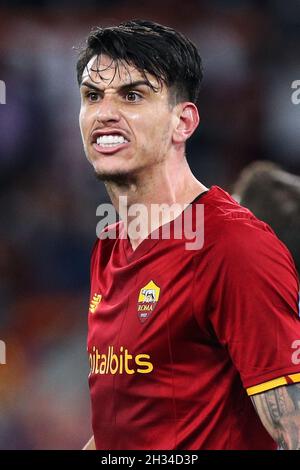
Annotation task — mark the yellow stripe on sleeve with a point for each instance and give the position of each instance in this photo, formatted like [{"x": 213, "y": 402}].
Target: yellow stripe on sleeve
[
  {"x": 263, "y": 387},
  {"x": 295, "y": 378}
]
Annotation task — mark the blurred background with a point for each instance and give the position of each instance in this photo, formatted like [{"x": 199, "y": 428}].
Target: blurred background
[{"x": 48, "y": 193}]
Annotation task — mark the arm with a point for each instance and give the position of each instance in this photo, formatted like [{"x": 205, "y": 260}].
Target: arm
[
  {"x": 90, "y": 444},
  {"x": 279, "y": 411}
]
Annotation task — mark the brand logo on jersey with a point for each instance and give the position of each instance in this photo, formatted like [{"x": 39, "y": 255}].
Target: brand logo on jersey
[
  {"x": 147, "y": 300},
  {"x": 118, "y": 362},
  {"x": 95, "y": 302}
]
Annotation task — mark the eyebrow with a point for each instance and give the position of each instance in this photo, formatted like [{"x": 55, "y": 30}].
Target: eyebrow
[{"x": 121, "y": 88}]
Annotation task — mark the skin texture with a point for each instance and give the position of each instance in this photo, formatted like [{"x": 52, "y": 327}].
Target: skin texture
[
  {"x": 152, "y": 168},
  {"x": 279, "y": 411}
]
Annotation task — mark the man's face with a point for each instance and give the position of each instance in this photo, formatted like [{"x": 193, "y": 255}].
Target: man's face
[{"x": 126, "y": 126}]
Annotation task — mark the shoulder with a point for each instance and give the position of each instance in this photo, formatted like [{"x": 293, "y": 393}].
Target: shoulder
[
  {"x": 221, "y": 209},
  {"x": 248, "y": 247},
  {"x": 235, "y": 241},
  {"x": 231, "y": 227}
]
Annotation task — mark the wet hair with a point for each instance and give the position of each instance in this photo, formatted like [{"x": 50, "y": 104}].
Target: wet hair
[
  {"x": 273, "y": 195},
  {"x": 152, "y": 49}
]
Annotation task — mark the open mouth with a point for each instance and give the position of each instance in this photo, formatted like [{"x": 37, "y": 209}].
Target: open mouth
[{"x": 109, "y": 143}]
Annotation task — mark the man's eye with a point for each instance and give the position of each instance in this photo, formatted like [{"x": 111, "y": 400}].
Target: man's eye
[
  {"x": 133, "y": 96},
  {"x": 92, "y": 96}
]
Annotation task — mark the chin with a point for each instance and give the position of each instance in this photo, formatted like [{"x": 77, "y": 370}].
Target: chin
[{"x": 118, "y": 176}]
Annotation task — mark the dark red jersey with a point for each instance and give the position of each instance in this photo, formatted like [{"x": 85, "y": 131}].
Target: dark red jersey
[{"x": 179, "y": 338}]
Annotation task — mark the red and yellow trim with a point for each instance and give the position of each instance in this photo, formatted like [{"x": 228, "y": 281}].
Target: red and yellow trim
[{"x": 285, "y": 380}]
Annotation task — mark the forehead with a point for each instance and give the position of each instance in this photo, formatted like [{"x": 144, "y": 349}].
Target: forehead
[{"x": 102, "y": 69}]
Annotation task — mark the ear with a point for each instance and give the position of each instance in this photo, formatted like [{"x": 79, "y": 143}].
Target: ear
[{"x": 186, "y": 121}]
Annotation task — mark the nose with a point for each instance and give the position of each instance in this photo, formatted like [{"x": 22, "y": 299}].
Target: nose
[{"x": 107, "y": 110}]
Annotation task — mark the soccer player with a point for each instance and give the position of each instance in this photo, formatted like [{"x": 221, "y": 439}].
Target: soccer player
[{"x": 191, "y": 346}]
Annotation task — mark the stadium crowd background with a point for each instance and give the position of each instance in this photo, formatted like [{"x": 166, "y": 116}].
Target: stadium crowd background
[{"x": 48, "y": 193}]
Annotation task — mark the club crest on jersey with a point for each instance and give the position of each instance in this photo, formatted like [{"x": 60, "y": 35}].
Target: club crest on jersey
[
  {"x": 95, "y": 302},
  {"x": 147, "y": 300}
]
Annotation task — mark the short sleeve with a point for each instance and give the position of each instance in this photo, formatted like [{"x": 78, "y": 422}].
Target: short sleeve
[{"x": 251, "y": 299}]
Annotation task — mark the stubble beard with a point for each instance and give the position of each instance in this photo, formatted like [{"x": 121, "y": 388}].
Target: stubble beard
[
  {"x": 120, "y": 178},
  {"x": 127, "y": 178}
]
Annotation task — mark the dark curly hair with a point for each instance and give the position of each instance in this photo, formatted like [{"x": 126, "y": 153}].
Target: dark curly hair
[{"x": 151, "y": 48}]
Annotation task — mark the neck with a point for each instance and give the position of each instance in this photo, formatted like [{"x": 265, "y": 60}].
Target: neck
[{"x": 163, "y": 184}]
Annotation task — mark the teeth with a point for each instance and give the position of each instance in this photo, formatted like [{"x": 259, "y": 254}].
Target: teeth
[{"x": 111, "y": 140}]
